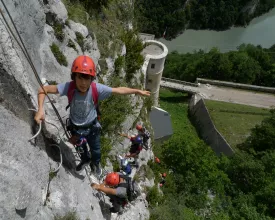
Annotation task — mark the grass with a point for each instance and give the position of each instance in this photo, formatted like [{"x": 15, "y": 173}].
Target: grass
[
  {"x": 68, "y": 216},
  {"x": 234, "y": 121},
  {"x": 144, "y": 171},
  {"x": 119, "y": 63},
  {"x": 58, "y": 31},
  {"x": 72, "y": 45},
  {"x": 107, "y": 27},
  {"x": 176, "y": 103},
  {"x": 52, "y": 175},
  {"x": 59, "y": 56},
  {"x": 106, "y": 146}
]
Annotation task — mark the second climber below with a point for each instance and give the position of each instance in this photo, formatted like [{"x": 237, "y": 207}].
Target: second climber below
[{"x": 83, "y": 114}]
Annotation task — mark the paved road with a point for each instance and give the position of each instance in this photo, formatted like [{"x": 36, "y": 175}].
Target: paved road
[{"x": 226, "y": 94}]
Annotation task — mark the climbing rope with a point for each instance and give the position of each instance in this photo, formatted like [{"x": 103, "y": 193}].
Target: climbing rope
[
  {"x": 56, "y": 145},
  {"x": 40, "y": 126},
  {"x": 26, "y": 54}
]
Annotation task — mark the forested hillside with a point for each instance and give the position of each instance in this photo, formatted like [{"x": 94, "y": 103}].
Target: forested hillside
[
  {"x": 201, "y": 185},
  {"x": 175, "y": 15},
  {"x": 250, "y": 65}
]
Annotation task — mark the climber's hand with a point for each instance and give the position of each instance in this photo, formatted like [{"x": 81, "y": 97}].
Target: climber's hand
[{"x": 39, "y": 116}]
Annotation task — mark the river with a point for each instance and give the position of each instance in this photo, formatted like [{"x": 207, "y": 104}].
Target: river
[{"x": 260, "y": 31}]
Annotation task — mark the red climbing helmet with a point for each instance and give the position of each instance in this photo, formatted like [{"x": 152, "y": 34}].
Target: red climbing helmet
[
  {"x": 139, "y": 127},
  {"x": 84, "y": 64},
  {"x": 164, "y": 174},
  {"x": 112, "y": 179}
]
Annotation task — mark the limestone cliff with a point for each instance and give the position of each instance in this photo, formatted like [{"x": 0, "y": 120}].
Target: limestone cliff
[{"x": 26, "y": 180}]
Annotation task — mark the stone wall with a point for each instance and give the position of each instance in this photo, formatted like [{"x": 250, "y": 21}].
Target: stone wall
[
  {"x": 237, "y": 85},
  {"x": 206, "y": 127},
  {"x": 180, "y": 82}
]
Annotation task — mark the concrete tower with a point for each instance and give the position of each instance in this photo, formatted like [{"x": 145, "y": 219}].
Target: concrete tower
[{"x": 155, "y": 53}]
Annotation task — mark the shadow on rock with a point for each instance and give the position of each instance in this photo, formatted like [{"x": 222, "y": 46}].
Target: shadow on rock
[
  {"x": 105, "y": 208},
  {"x": 21, "y": 212},
  {"x": 69, "y": 159}
]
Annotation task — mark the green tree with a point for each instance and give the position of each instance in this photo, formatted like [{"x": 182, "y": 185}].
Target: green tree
[
  {"x": 133, "y": 58},
  {"x": 266, "y": 198},
  {"x": 244, "y": 68},
  {"x": 246, "y": 172},
  {"x": 195, "y": 170},
  {"x": 262, "y": 137}
]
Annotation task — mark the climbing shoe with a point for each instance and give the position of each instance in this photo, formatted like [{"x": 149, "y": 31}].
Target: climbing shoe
[
  {"x": 82, "y": 165},
  {"x": 112, "y": 210}
]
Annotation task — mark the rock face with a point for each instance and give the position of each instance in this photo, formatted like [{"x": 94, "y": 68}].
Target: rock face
[{"x": 28, "y": 187}]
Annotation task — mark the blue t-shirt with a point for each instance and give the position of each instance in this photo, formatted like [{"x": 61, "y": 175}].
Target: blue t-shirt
[{"x": 82, "y": 108}]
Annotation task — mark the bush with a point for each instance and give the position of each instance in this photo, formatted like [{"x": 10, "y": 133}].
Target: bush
[
  {"x": 80, "y": 40},
  {"x": 119, "y": 63},
  {"x": 52, "y": 175},
  {"x": 58, "y": 31},
  {"x": 67, "y": 23},
  {"x": 72, "y": 45},
  {"x": 153, "y": 196},
  {"x": 76, "y": 11},
  {"x": 149, "y": 174},
  {"x": 106, "y": 146},
  {"x": 116, "y": 165},
  {"x": 133, "y": 58},
  {"x": 59, "y": 56},
  {"x": 173, "y": 209},
  {"x": 148, "y": 103}
]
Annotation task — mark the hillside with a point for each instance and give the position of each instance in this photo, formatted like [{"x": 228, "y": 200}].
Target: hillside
[
  {"x": 202, "y": 185},
  {"x": 173, "y": 17},
  {"x": 249, "y": 64}
]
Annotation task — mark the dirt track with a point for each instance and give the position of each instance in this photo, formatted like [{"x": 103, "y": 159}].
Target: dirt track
[
  {"x": 226, "y": 94},
  {"x": 237, "y": 96}
]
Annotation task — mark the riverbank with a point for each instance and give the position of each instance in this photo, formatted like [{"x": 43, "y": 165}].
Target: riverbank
[{"x": 228, "y": 40}]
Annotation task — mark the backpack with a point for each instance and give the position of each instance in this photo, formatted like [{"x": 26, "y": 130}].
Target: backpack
[
  {"x": 71, "y": 91},
  {"x": 133, "y": 190},
  {"x": 126, "y": 167}
]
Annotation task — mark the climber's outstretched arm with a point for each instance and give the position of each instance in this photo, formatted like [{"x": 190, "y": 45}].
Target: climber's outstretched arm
[
  {"x": 127, "y": 91},
  {"x": 102, "y": 188}
]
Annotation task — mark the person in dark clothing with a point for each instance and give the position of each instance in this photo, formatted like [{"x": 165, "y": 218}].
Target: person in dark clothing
[
  {"x": 145, "y": 134},
  {"x": 115, "y": 187},
  {"x": 135, "y": 149}
]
